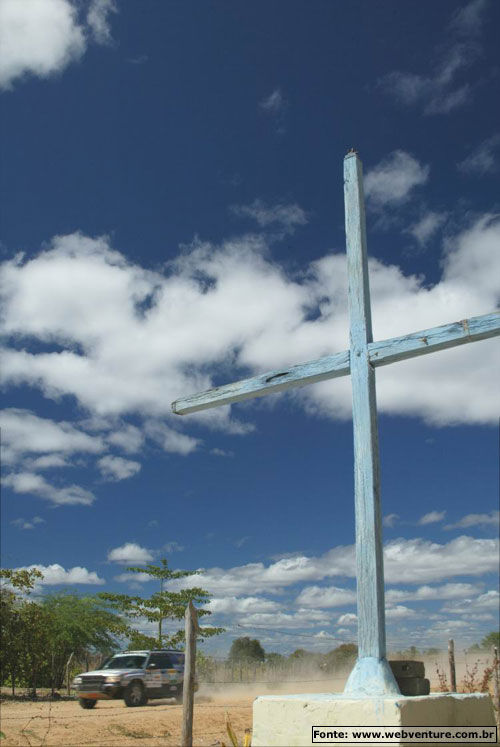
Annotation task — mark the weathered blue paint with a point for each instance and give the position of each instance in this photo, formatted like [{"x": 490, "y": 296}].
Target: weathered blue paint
[
  {"x": 380, "y": 353},
  {"x": 273, "y": 381},
  {"x": 434, "y": 339},
  {"x": 372, "y": 674},
  {"x": 369, "y": 551}
]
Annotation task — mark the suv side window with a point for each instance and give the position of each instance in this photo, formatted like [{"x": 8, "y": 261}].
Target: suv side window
[
  {"x": 162, "y": 661},
  {"x": 177, "y": 660}
]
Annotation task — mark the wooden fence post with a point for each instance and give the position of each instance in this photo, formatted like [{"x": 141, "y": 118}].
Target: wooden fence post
[
  {"x": 451, "y": 659},
  {"x": 496, "y": 696},
  {"x": 68, "y": 684},
  {"x": 191, "y": 628}
]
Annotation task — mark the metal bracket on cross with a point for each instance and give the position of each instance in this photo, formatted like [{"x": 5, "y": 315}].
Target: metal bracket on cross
[{"x": 371, "y": 674}]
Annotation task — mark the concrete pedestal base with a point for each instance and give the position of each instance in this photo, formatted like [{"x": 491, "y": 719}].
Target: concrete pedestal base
[{"x": 287, "y": 720}]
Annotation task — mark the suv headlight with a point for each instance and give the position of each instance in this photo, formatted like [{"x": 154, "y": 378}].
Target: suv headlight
[
  {"x": 77, "y": 681},
  {"x": 113, "y": 678}
]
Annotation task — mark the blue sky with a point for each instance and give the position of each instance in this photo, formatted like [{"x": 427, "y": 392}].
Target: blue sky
[{"x": 172, "y": 219}]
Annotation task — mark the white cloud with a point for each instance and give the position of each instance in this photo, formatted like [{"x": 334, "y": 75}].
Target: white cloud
[
  {"x": 323, "y": 635},
  {"x": 241, "y": 541},
  {"x": 433, "y": 92},
  {"x": 285, "y": 216},
  {"x": 390, "y": 520},
  {"x": 414, "y": 561},
  {"x": 483, "y": 159},
  {"x": 30, "y": 524},
  {"x": 421, "y": 561},
  {"x": 97, "y": 19},
  {"x": 447, "y": 627},
  {"x": 55, "y": 574},
  {"x": 318, "y": 596},
  {"x": 348, "y": 619},
  {"x": 25, "y": 433},
  {"x": 40, "y": 37},
  {"x": 392, "y": 181},
  {"x": 116, "y": 468},
  {"x": 130, "y": 553},
  {"x": 291, "y": 620},
  {"x": 426, "y": 593},
  {"x": 128, "y": 437},
  {"x": 441, "y": 92},
  {"x": 274, "y": 103},
  {"x": 172, "y": 546},
  {"x": 203, "y": 314},
  {"x": 32, "y": 484},
  {"x": 49, "y": 461},
  {"x": 478, "y": 617},
  {"x": 399, "y": 612},
  {"x": 426, "y": 227},
  {"x": 472, "y": 520},
  {"x": 221, "y": 452},
  {"x": 275, "y": 106},
  {"x": 169, "y": 439},
  {"x": 490, "y": 600},
  {"x": 468, "y": 20},
  {"x": 43, "y": 37},
  {"x": 133, "y": 579},
  {"x": 241, "y": 605},
  {"x": 432, "y": 517},
  {"x": 255, "y": 577}
]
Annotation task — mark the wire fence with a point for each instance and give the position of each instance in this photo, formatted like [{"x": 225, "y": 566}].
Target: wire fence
[{"x": 122, "y": 712}]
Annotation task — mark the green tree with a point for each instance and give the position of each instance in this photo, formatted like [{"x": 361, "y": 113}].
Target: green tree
[
  {"x": 13, "y": 641},
  {"x": 161, "y": 605},
  {"x": 23, "y": 579},
  {"x": 205, "y": 666},
  {"x": 38, "y": 637},
  {"x": 81, "y": 626},
  {"x": 275, "y": 660},
  {"x": 35, "y": 631},
  {"x": 298, "y": 654},
  {"x": 246, "y": 650},
  {"x": 138, "y": 641},
  {"x": 342, "y": 657},
  {"x": 490, "y": 640}
]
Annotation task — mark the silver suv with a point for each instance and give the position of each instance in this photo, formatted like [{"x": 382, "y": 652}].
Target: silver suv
[{"x": 135, "y": 676}]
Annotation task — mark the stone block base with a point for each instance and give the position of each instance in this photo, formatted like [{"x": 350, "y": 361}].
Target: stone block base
[{"x": 287, "y": 720}]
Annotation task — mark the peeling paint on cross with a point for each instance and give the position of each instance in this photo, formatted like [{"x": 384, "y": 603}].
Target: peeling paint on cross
[{"x": 371, "y": 674}]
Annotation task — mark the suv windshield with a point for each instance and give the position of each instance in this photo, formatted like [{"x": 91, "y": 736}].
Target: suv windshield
[{"x": 125, "y": 662}]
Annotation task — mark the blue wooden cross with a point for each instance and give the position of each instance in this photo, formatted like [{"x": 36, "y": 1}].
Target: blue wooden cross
[{"x": 371, "y": 674}]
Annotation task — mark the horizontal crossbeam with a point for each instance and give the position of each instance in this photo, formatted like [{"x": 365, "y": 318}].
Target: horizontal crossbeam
[
  {"x": 274, "y": 381},
  {"x": 434, "y": 339},
  {"x": 380, "y": 353}
]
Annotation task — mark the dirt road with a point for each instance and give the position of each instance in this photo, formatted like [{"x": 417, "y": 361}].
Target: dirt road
[
  {"x": 61, "y": 723},
  {"x": 110, "y": 723}
]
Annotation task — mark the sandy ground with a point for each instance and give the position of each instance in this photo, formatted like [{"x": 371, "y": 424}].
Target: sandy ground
[
  {"x": 112, "y": 723},
  {"x": 63, "y": 722}
]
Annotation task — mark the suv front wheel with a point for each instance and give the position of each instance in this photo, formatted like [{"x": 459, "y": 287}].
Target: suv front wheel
[
  {"x": 135, "y": 695},
  {"x": 87, "y": 702}
]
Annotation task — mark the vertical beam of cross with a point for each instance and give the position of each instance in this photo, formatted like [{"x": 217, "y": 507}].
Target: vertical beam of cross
[
  {"x": 369, "y": 550},
  {"x": 372, "y": 674}
]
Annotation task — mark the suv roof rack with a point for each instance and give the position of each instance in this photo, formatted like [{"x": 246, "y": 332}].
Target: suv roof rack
[{"x": 150, "y": 651}]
